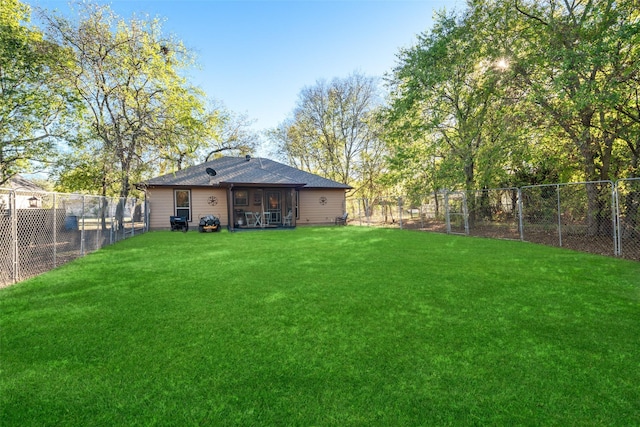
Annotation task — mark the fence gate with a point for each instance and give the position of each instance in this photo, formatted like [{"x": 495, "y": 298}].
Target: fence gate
[
  {"x": 457, "y": 215},
  {"x": 495, "y": 213}
]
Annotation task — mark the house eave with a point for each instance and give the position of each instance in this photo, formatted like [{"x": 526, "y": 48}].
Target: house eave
[
  {"x": 227, "y": 185},
  {"x": 345, "y": 188},
  {"x": 262, "y": 184}
]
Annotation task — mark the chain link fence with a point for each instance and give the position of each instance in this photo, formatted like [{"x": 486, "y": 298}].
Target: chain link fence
[
  {"x": 577, "y": 216},
  {"x": 627, "y": 195},
  {"x": 494, "y": 213},
  {"x": 40, "y": 230},
  {"x": 600, "y": 217},
  {"x": 383, "y": 210},
  {"x": 422, "y": 212}
]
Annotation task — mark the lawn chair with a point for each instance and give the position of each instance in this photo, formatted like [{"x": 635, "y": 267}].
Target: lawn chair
[
  {"x": 342, "y": 220},
  {"x": 251, "y": 219},
  {"x": 287, "y": 219}
]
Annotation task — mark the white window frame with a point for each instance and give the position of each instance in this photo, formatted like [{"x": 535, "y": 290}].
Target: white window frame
[{"x": 175, "y": 202}]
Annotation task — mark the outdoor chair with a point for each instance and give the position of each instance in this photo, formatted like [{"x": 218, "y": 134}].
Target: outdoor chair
[
  {"x": 287, "y": 219},
  {"x": 179, "y": 223},
  {"x": 250, "y": 218},
  {"x": 342, "y": 220}
]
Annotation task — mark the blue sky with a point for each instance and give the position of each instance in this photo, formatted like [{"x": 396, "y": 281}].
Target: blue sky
[{"x": 257, "y": 55}]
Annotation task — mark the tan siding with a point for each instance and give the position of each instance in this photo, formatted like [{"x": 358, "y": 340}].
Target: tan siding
[
  {"x": 161, "y": 205},
  {"x": 312, "y": 212},
  {"x": 201, "y": 206}
]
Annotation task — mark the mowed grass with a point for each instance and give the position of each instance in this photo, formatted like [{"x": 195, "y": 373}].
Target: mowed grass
[{"x": 323, "y": 326}]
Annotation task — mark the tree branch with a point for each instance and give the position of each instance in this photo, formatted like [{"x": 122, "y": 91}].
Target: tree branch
[{"x": 528, "y": 15}]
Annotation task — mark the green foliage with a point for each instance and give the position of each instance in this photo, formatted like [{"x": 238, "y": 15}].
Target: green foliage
[
  {"x": 231, "y": 330},
  {"x": 502, "y": 93},
  {"x": 506, "y": 90},
  {"x": 450, "y": 96},
  {"x": 585, "y": 77},
  {"x": 141, "y": 111},
  {"x": 34, "y": 101},
  {"x": 333, "y": 132},
  {"x": 85, "y": 172},
  {"x": 232, "y": 134}
]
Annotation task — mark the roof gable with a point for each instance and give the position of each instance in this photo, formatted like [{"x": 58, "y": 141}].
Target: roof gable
[
  {"x": 244, "y": 171},
  {"x": 18, "y": 182}
]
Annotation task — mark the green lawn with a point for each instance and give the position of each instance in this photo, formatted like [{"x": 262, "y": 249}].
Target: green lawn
[{"x": 323, "y": 326}]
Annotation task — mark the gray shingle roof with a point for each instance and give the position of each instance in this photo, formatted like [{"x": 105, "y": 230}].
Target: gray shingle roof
[
  {"x": 18, "y": 182},
  {"x": 240, "y": 171}
]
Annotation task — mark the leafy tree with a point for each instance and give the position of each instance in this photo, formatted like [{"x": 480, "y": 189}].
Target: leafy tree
[
  {"x": 233, "y": 134},
  {"x": 34, "y": 101},
  {"x": 85, "y": 170},
  {"x": 562, "y": 106},
  {"x": 450, "y": 113},
  {"x": 140, "y": 109},
  {"x": 583, "y": 81},
  {"x": 332, "y": 131},
  {"x": 584, "y": 72}
]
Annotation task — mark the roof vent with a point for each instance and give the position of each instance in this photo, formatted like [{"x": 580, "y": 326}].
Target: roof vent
[{"x": 247, "y": 157}]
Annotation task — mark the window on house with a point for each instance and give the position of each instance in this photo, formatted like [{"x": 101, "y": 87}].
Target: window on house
[
  {"x": 183, "y": 203},
  {"x": 241, "y": 198}
]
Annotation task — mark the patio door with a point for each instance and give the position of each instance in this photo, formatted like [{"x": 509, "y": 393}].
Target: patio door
[
  {"x": 274, "y": 206},
  {"x": 292, "y": 202}
]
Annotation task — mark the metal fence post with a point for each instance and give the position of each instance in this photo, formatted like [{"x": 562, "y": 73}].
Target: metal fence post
[
  {"x": 82, "y": 236},
  {"x": 628, "y": 217},
  {"x": 122, "y": 210},
  {"x": 446, "y": 211},
  {"x": 616, "y": 201},
  {"x": 147, "y": 218},
  {"x": 559, "y": 216},
  {"x": 421, "y": 213},
  {"x": 617, "y": 218},
  {"x": 614, "y": 219},
  {"x": 111, "y": 238},
  {"x": 55, "y": 231},
  {"x": 14, "y": 236},
  {"x": 465, "y": 213},
  {"x": 98, "y": 242},
  {"x": 520, "y": 222},
  {"x": 367, "y": 212}
]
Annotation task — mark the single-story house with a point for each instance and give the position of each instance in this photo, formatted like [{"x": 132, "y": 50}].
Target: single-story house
[
  {"x": 28, "y": 195},
  {"x": 245, "y": 192}
]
